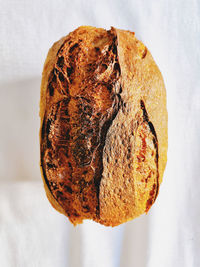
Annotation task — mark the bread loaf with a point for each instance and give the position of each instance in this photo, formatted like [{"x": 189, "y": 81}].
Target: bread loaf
[{"x": 103, "y": 136}]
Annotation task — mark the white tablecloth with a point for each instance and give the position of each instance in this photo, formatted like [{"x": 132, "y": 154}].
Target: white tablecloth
[{"x": 32, "y": 233}]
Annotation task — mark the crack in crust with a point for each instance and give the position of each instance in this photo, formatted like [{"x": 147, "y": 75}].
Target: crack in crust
[
  {"x": 154, "y": 192},
  {"x": 106, "y": 124},
  {"x": 130, "y": 160}
]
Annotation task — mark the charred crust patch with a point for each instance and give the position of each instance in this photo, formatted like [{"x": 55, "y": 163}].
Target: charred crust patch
[
  {"x": 43, "y": 130},
  {"x": 50, "y": 165},
  {"x": 70, "y": 71},
  {"x": 60, "y": 62},
  {"x": 52, "y": 82},
  {"x": 68, "y": 189},
  {"x": 61, "y": 77},
  {"x": 51, "y": 89},
  {"x": 73, "y": 47}
]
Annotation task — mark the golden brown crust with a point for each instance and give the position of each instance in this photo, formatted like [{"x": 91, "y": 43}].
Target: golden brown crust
[
  {"x": 128, "y": 187},
  {"x": 103, "y": 126}
]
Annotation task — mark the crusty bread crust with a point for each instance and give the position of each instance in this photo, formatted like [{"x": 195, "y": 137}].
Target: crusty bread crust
[
  {"x": 112, "y": 162},
  {"x": 126, "y": 193},
  {"x": 48, "y": 66}
]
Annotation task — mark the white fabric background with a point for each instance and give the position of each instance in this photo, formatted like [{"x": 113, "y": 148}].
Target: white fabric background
[{"x": 32, "y": 233}]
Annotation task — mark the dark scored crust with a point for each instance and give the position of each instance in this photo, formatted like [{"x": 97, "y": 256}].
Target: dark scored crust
[
  {"x": 74, "y": 128},
  {"x": 100, "y": 150}
]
